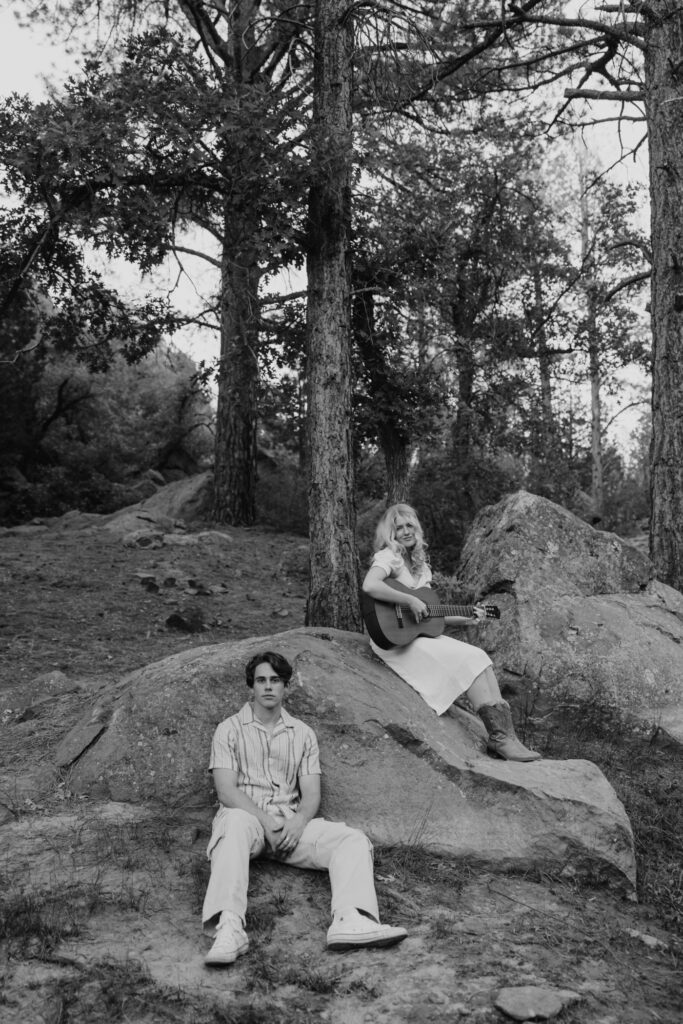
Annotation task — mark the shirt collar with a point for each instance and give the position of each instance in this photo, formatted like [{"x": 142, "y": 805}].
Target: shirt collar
[{"x": 246, "y": 715}]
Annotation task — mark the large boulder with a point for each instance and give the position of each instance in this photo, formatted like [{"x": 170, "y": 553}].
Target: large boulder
[
  {"x": 390, "y": 765},
  {"x": 582, "y": 614},
  {"x": 185, "y": 501}
]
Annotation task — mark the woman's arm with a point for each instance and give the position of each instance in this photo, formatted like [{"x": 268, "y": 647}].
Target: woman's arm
[
  {"x": 374, "y": 585},
  {"x": 477, "y": 616}
]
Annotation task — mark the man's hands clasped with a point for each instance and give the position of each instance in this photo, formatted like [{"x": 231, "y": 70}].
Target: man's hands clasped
[{"x": 283, "y": 834}]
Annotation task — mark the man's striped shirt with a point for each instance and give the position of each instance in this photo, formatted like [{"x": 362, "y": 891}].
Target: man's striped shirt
[{"x": 268, "y": 765}]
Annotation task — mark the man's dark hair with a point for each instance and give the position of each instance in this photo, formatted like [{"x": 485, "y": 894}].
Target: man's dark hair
[{"x": 276, "y": 662}]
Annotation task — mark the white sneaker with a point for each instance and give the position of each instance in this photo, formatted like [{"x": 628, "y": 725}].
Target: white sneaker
[
  {"x": 231, "y": 941},
  {"x": 354, "y": 929}
]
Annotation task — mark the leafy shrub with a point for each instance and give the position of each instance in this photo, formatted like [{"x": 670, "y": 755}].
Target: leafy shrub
[
  {"x": 281, "y": 496},
  {"x": 647, "y": 775},
  {"x": 62, "y": 488}
]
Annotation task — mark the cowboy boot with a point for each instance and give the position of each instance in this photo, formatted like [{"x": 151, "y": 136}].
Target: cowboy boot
[{"x": 502, "y": 740}]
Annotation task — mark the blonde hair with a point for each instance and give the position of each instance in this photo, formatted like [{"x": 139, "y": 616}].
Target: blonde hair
[{"x": 385, "y": 536}]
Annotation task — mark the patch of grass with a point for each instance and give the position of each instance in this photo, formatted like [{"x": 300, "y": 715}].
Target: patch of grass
[
  {"x": 111, "y": 992},
  {"x": 362, "y": 990},
  {"x": 403, "y": 868},
  {"x": 34, "y": 923},
  {"x": 314, "y": 979},
  {"x": 263, "y": 968},
  {"x": 197, "y": 870},
  {"x": 260, "y": 919},
  {"x": 281, "y": 902},
  {"x": 443, "y": 927},
  {"x": 648, "y": 779}
]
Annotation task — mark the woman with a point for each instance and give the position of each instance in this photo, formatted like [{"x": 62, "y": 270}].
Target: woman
[{"x": 439, "y": 668}]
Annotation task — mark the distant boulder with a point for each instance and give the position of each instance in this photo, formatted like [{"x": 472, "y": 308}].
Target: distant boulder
[
  {"x": 173, "y": 507},
  {"x": 582, "y": 614},
  {"x": 390, "y": 765}
]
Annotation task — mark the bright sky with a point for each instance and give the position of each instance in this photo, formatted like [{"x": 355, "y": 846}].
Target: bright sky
[
  {"x": 26, "y": 58},
  {"x": 28, "y": 61}
]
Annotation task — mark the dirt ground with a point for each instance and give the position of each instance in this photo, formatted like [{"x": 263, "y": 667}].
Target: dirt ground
[{"x": 99, "y": 902}]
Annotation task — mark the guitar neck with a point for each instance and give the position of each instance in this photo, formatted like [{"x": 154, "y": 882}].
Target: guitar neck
[{"x": 442, "y": 611}]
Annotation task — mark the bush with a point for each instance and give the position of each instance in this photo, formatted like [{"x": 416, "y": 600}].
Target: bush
[
  {"x": 62, "y": 488},
  {"x": 281, "y": 496},
  {"x": 647, "y": 775}
]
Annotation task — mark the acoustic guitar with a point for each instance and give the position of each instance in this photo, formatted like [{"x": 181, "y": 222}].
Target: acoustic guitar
[{"x": 393, "y": 625}]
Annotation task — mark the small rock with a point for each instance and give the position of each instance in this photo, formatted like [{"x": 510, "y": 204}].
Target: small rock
[
  {"x": 197, "y": 585},
  {"x": 180, "y": 540},
  {"x": 281, "y": 613},
  {"x": 143, "y": 539},
  {"x": 188, "y": 620},
  {"x": 648, "y": 940},
  {"x": 26, "y": 714},
  {"x": 145, "y": 576},
  {"x": 214, "y": 537},
  {"x": 534, "y": 1002}
]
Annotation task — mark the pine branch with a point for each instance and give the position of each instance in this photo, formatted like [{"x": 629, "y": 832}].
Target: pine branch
[
  {"x": 644, "y": 275},
  {"x": 616, "y": 95},
  {"x": 196, "y": 252}
]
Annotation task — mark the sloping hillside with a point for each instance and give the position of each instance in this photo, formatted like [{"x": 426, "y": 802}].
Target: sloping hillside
[{"x": 100, "y": 900}]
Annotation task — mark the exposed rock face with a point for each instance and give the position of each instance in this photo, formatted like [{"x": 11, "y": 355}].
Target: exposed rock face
[
  {"x": 185, "y": 501},
  {"x": 582, "y": 612},
  {"x": 390, "y": 765}
]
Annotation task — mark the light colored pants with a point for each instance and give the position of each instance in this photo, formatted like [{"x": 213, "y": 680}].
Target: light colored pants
[{"x": 324, "y": 845}]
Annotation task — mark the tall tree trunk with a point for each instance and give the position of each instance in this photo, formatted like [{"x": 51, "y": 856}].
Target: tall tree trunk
[
  {"x": 392, "y": 437},
  {"x": 597, "y": 473},
  {"x": 333, "y": 595},
  {"x": 545, "y": 358},
  {"x": 664, "y": 103},
  {"x": 594, "y": 368},
  {"x": 235, "y": 445}
]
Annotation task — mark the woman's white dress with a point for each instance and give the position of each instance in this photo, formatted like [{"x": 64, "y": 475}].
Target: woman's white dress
[{"x": 439, "y": 668}]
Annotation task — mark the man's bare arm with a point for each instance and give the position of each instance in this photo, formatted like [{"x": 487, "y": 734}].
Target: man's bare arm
[{"x": 292, "y": 830}]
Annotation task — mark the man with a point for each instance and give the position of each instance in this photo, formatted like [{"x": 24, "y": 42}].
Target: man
[{"x": 266, "y": 771}]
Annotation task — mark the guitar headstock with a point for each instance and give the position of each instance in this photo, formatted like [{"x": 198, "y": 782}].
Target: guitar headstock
[{"x": 492, "y": 612}]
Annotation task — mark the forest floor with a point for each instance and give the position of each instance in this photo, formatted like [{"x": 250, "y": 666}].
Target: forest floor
[{"x": 99, "y": 902}]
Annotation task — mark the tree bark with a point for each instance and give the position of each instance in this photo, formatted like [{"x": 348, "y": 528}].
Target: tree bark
[
  {"x": 545, "y": 359},
  {"x": 234, "y": 500},
  {"x": 392, "y": 437},
  {"x": 594, "y": 367},
  {"x": 235, "y": 445},
  {"x": 334, "y": 585},
  {"x": 664, "y": 106}
]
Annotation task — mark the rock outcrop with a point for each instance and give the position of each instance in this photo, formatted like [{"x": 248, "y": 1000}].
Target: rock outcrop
[
  {"x": 389, "y": 764},
  {"x": 583, "y": 615}
]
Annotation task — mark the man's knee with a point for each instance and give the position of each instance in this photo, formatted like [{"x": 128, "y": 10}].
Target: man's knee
[
  {"x": 234, "y": 825},
  {"x": 238, "y": 818},
  {"x": 362, "y": 838},
  {"x": 356, "y": 837}
]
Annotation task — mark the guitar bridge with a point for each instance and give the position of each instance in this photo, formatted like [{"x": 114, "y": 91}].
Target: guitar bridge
[{"x": 399, "y": 615}]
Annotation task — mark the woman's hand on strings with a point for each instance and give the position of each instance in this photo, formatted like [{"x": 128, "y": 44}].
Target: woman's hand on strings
[{"x": 418, "y": 609}]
